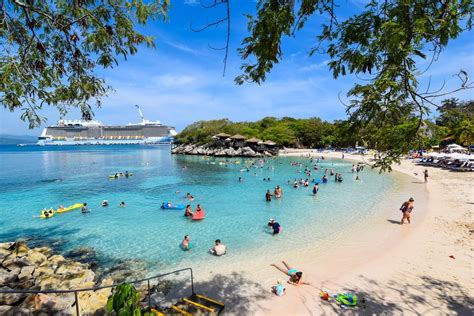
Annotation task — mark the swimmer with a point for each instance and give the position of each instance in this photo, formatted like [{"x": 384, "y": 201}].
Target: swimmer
[
  {"x": 219, "y": 249},
  {"x": 105, "y": 203},
  {"x": 295, "y": 184},
  {"x": 60, "y": 208},
  {"x": 85, "y": 209},
  {"x": 268, "y": 196},
  {"x": 295, "y": 275},
  {"x": 278, "y": 192},
  {"x": 325, "y": 179},
  {"x": 185, "y": 243},
  {"x": 275, "y": 226},
  {"x": 187, "y": 211},
  {"x": 315, "y": 189},
  {"x": 189, "y": 197},
  {"x": 198, "y": 208},
  {"x": 122, "y": 204},
  {"x": 240, "y": 179}
]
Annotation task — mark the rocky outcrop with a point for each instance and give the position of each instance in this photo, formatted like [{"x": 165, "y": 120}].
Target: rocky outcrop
[
  {"x": 39, "y": 269},
  {"x": 207, "y": 150}
]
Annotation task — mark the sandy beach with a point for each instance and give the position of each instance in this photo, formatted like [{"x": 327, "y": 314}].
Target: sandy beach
[{"x": 396, "y": 269}]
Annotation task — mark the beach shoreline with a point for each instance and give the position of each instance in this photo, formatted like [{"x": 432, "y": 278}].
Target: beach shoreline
[
  {"x": 395, "y": 269},
  {"x": 393, "y": 277}
]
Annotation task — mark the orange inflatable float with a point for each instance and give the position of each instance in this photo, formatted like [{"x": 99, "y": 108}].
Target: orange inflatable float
[{"x": 199, "y": 215}]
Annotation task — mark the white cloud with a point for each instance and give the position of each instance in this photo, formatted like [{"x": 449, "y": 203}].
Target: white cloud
[
  {"x": 173, "y": 80},
  {"x": 192, "y": 2}
]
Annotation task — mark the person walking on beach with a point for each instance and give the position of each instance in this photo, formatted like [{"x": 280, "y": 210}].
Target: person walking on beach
[
  {"x": 407, "y": 208},
  {"x": 425, "y": 175}
]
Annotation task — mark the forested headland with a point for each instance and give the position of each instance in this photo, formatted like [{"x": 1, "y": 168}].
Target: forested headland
[{"x": 455, "y": 123}]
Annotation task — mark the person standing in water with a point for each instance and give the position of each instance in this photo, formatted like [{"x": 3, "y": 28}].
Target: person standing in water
[
  {"x": 187, "y": 211},
  {"x": 85, "y": 209},
  {"x": 425, "y": 175},
  {"x": 275, "y": 226},
  {"x": 407, "y": 208},
  {"x": 219, "y": 248},
  {"x": 268, "y": 196},
  {"x": 315, "y": 189},
  {"x": 185, "y": 243}
]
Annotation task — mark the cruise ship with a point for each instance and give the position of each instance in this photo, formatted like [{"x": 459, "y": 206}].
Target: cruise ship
[{"x": 93, "y": 132}]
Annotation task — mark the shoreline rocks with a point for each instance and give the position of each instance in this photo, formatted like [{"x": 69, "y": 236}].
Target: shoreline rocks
[
  {"x": 23, "y": 268},
  {"x": 206, "y": 150}
]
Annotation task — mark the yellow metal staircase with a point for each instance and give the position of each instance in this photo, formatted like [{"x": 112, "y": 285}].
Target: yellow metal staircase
[{"x": 196, "y": 304}]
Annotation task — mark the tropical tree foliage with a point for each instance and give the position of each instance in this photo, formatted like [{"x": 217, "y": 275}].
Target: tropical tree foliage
[
  {"x": 290, "y": 132},
  {"x": 385, "y": 43},
  {"x": 50, "y": 49},
  {"x": 125, "y": 301},
  {"x": 455, "y": 123}
]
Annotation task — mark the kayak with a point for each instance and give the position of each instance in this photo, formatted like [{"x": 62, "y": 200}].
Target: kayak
[
  {"x": 69, "y": 208},
  {"x": 169, "y": 206},
  {"x": 47, "y": 213}
]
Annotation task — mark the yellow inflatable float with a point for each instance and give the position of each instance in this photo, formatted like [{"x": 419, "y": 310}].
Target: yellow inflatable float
[
  {"x": 47, "y": 213},
  {"x": 69, "y": 208}
]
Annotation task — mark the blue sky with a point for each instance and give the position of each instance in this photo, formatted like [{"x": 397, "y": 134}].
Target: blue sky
[{"x": 181, "y": 80}]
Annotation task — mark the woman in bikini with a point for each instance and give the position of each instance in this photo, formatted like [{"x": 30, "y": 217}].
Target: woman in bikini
[
  {"x": 294, "y": 274},
  {"x": 406, "y": 209}
]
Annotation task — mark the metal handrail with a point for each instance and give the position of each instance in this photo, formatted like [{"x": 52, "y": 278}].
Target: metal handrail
[{"x": 75, "y": 291}]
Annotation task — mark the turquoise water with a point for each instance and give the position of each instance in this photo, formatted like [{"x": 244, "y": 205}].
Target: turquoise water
[{"x": 33, "y": 178}]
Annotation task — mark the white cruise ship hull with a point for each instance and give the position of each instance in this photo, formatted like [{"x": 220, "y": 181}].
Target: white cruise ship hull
[{"x": 72, "y": 142}]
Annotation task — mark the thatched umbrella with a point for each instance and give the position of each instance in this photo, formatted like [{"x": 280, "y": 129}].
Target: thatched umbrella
[
  {"x": 269, "y": 143},
  {"x": 253, "y": 140},
  {"x": 221, "y": 136},
  {"x": 237, "y": 137}
]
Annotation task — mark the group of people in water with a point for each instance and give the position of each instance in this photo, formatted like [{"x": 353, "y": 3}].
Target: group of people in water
[
  {"x": 277, "y": 193},
  {"x": 219, "y": 249},
  {"x": 85, "y": 208},
  {"x": 125, "y": 174},
  {"x": 189, "y": 213}
]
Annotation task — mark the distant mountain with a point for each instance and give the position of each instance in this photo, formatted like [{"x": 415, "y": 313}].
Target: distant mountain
[{"x": 6, "y": 139}]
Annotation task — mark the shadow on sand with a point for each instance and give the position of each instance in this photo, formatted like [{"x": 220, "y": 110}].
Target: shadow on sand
[
  {"x": 391, "y": 221},
  {"x": 241, "y": 296},
  {"x": 431, "y": 296}
]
